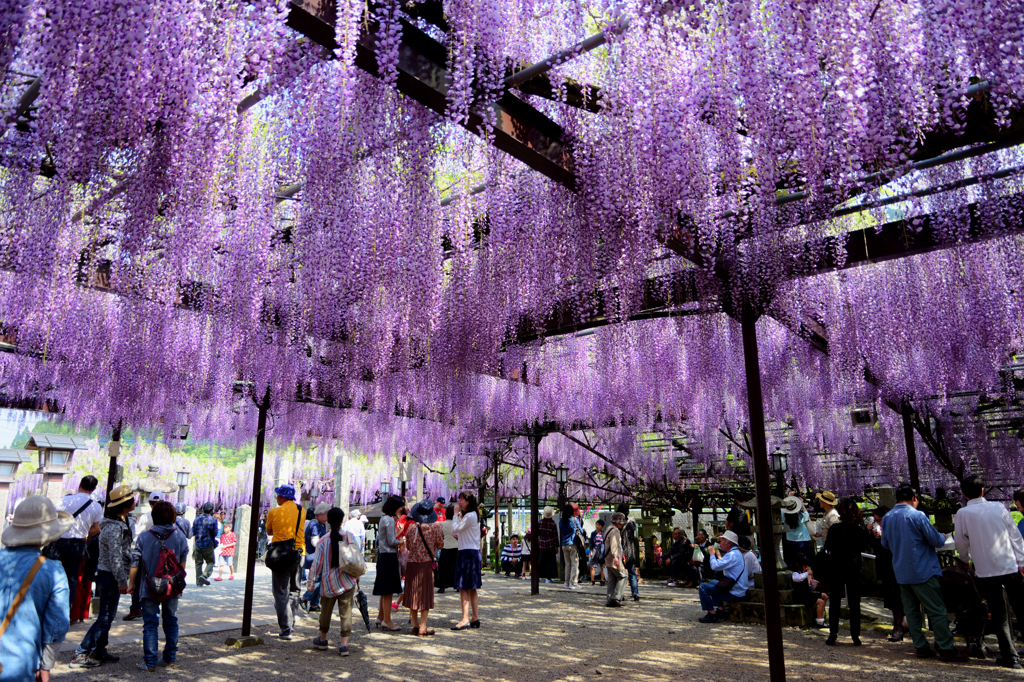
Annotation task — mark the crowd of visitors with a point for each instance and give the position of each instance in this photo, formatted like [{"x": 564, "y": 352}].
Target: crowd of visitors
[{"x": 431, "y": 546}]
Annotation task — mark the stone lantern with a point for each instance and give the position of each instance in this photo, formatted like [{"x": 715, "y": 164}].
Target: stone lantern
[
  {"x": 55, "y": 453},
  {"x": 150, "y": 484},
  {"x": 10, "y": 460}
]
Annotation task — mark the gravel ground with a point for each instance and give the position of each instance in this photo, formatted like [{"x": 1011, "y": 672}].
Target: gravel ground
[{"x": 553, "y": 636}]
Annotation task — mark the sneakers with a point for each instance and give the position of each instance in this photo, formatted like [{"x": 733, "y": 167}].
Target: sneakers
[
  {"x": 548, "y": 582},
  {"x": 143, "y": 666},
  {"x": 708, "y": 618},
  {"x": 105, "y": 657},
  {"x": 84, "y": 661},
  {"x": 132, "y": 615},
  {"x": 343, "y": 651},
  {"x": 1011, "y": 663},
  {"x": 320, "y": 644},
  {"x": 201, "y": 581},
  {"x": 672, "y": 583},
  {"x": 285, "y": 635},
  {"x": 164, "y": 663},
  {"x": 575, "y": 587}
]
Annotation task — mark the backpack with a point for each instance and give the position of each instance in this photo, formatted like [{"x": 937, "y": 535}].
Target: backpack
[{"x": 168, "y": 576}]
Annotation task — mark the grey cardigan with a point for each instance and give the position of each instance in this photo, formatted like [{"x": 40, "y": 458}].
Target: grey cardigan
[{"x": 115, "y": 549}]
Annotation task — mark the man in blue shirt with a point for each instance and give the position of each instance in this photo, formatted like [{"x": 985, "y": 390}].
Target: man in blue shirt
[
  {"x": 41, "y": 622},
  {"x": 205, "y": 532},
  {"x": 568, "y": 526},
  {"x": 913, "y": 540},
  {"x": 730, "y": 561}
]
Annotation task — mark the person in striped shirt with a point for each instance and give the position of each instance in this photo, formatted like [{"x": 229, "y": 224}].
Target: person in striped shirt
[
  {"x": 336, "y": 586},
  {"x": 512, "y": 557}
]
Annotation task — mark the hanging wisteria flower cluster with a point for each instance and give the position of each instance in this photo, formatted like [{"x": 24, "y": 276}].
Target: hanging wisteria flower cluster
[{"x": 202, "y": 208}]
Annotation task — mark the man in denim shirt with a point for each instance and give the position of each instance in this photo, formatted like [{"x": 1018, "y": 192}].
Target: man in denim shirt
[
  {"x": 31, "y": 642},
  {"x": 912, "y": 539}
]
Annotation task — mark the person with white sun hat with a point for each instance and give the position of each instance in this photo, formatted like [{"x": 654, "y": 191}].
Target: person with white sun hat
[{"x": 33, "y": 591}]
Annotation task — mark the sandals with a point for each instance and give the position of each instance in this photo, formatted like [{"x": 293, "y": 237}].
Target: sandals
[{"x": 425, "y": 633}]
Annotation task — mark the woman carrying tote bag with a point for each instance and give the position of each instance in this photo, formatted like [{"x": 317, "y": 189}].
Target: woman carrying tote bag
[{"x": 335, "y": 564}]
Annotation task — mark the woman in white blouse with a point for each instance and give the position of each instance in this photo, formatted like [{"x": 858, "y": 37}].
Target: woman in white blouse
[{"x": 468, "y": 563}]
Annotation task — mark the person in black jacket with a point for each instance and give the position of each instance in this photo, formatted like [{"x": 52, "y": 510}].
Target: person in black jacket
[
  {"x": 678, "y": 561},
  {"x": 844, "y": 544}
]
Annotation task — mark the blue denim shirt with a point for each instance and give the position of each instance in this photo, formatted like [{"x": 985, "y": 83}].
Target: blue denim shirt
[
  {"x": 147, "y": 552},
  {"x": 910, "y": 536},
  {"x": 205, "y": 531},
  {"x": 567, "y": 529},
  {"x": 42, "y": 618}
]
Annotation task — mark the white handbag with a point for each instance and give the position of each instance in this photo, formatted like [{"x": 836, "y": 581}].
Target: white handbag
[{"x": 350, "y": 559}]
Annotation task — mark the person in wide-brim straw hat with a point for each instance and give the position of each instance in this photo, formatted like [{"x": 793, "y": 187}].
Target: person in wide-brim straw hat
[
  {"x": 46, "y": 606},
  {"x": 797, "y": 539},
  {"x": 36, "y": 522}
]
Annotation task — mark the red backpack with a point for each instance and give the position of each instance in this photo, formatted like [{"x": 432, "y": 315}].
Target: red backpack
[{"x": 168, "y": 577}]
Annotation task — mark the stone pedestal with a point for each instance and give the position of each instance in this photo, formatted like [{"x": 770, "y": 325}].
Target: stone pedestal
[
  {"x": 282, "y": 474},
  {"x": 242, "y": 535},
  {"x": 5, "y": 491},
  {"x": 341, "y": 482},
  {"x": 53, "y": 486},
  {"x": 887, "y": 496}
]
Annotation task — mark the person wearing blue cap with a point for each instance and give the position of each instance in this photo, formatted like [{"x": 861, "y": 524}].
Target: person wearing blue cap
[{"x": 284, "y": 527}]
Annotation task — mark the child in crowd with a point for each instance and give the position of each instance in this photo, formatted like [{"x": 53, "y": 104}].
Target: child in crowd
[
  {"x": 657, "y": 552},
  {"x": 596, "y": 554},
  {"x": 227, "y": 553},
  {"x": 805, "y": 589}
]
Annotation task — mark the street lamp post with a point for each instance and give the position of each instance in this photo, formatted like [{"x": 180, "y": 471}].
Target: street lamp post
[
  {"x": 385, "y": 489},
  {"x": 562, "y": 478},
  {"x": 182, "y": 481},
  {"x": 780, "y": 465}
]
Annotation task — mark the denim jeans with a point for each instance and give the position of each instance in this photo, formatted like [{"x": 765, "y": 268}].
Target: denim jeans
[
  {"x": 634, "y": 582},
  {"x": 313, "y": 596},
  {"x": 711, "y": 596},
  {"x": 95, "y": 640},
  {"x": 151, "y": 615}
]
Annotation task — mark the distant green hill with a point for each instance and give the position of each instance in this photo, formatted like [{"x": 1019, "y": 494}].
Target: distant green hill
[{"x": 225, "y": 456}]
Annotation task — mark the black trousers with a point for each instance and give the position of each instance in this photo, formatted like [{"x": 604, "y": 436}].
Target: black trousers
[
  {"x": 851, "y": 587},
  {"x": 684, "y": 571},
  {"x": 992, "y": 591},
  {"x": 512, "y": 567},
  {"x": 69, "y": 553}
]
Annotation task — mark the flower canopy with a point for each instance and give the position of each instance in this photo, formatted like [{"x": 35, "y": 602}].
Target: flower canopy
[{"x": 202, "y": 203}]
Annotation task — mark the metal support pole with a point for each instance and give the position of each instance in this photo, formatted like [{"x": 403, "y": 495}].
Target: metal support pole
[
  {"x": 908, "y": 439},
  {"x": 114, "y": 449},
  {"x": 254, "y": 523},
  {"x": 534, "y": 514},
  {"x": 497, "y": 521},
  {"x": 763, "y": 488}
]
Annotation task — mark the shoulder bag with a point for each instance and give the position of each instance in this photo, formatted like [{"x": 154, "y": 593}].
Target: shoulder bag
[
  {"x": 20, "y": 596},
  {"x": 284, "y": 555},
  {"x": 350, "y": 559},
  {"x": 51, "y": 551},
  {"x": 433, "y": 564}
]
